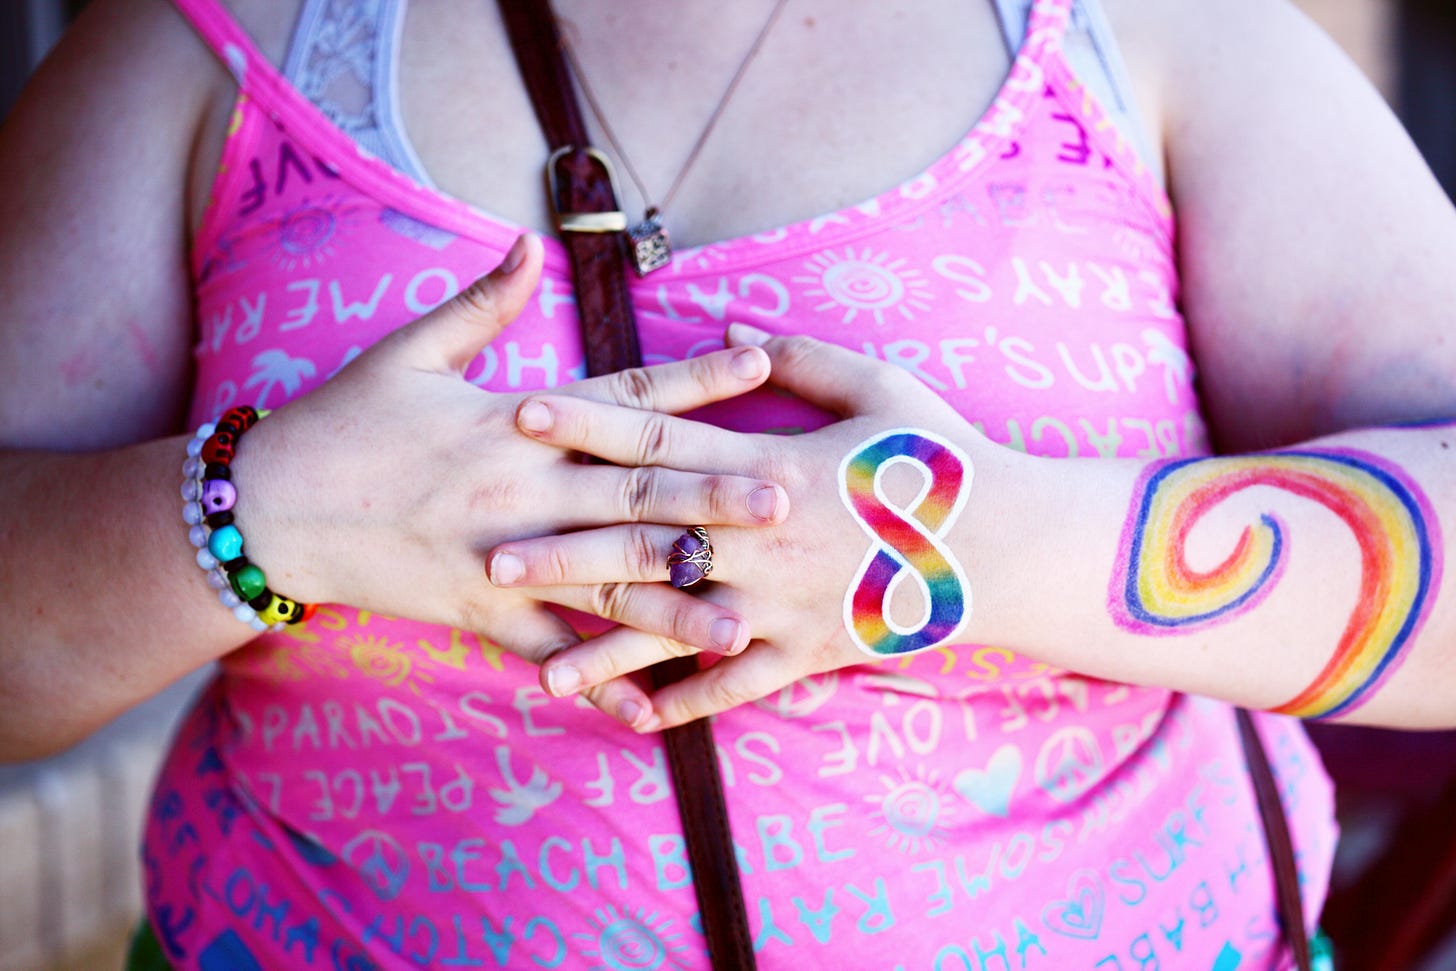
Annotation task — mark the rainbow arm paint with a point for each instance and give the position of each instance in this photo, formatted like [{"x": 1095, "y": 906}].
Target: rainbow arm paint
[{"x": 1154, "y": 591}]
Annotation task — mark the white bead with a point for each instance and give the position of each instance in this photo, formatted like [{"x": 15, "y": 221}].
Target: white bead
[
  {"x": 217, "y": 579},
  {"x": 194, "y": 447},
  {"x": 245, "y": 613},
  {"x": 229, "y": 598},
  {"x": 191, "y": 513},
  {"x": 191, "y": 489},
  {"x": 205, "y": 431},
  {"x": 259, "y": 625},
  {"x": 191, "y": 467},
  {"x": 205, "y": 559},
  {"x": 197, "y": 535}
]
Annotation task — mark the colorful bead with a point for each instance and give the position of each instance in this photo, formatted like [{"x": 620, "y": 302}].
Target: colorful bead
[
  {"x": 248, "y": 582},
  {"x": 209, "y": 497},
  {"x": 281, "y": 610},
  {"x": 226, "y": 543},
  {"x": 218, "y": 495},
  {"x": 218, "y": 448}
]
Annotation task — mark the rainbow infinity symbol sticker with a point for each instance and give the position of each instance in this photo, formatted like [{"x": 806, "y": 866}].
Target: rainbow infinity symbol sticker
[{"x": 906, "y": 542}]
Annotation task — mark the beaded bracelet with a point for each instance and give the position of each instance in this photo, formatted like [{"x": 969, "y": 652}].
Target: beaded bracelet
[{"x": 209, "y": 495}]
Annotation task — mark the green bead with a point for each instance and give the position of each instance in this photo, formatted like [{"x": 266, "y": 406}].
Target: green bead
[{"x": 248, "y": 582}]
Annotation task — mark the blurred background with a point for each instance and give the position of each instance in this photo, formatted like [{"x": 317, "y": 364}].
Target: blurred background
[{"x": 69, "y": 875}]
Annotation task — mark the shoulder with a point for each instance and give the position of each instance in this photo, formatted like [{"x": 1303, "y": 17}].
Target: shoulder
[{"x": 1314, "y": 244}]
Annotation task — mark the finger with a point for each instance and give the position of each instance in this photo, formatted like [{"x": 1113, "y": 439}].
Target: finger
[
  {"x": 537, "y": 635},
  {"x": 635, "y": 553},
  {"x": 655, "y": 494},
  {"x": 682, "y": 385},
  {"x": 756, "y": 673},
  {"x": 449, "y": 337},
  {"x": 628, "y": 436},
  {"x": 834, "y": 378},
  {"x": 594, "y": 664},
  {"x": 656, "y": 608}
]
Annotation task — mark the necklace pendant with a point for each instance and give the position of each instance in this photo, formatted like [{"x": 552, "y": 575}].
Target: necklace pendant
[{"x": 650, "y": 249}]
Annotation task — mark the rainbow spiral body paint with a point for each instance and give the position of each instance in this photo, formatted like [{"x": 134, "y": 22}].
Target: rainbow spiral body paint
[
  {"x": 908, "y": 541},
  {"x": 1155, "y": 591}
]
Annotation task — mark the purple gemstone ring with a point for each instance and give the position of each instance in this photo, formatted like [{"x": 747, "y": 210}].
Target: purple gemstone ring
[{"x": 691, "y": 559}]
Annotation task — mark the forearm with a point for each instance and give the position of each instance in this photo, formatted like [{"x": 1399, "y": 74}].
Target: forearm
[
  {"x": 1307, "y": 580},
  {"x": 100, "y": 595}
]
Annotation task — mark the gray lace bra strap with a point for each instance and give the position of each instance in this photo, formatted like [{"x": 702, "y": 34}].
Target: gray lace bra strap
[
  {"x": 1092, "y": 51},
  {"x": 344, "y": 57}
]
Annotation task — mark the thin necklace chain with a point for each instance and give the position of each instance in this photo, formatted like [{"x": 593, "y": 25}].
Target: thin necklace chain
[{"x": 601, "y": 116}]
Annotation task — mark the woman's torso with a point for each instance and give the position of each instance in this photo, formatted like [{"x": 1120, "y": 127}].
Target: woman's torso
[{"x": 372, "y": 785}]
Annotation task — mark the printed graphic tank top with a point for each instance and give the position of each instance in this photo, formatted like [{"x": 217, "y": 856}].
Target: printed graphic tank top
[{"x": 364, "y": 792}]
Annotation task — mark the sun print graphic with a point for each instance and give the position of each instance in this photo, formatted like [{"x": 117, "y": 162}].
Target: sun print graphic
[
  {"x": 867, "y": 282},
  {"x": 639, "y": 941},
  {"x": 912, "y": 811},
  {"x": 378, "y": 658},
  {"x": 308, "y": 233}
]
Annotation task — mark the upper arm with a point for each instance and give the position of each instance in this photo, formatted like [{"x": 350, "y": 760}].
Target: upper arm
[
  {"x": 95, "y": 331},
  {"x": 1316, "y": 249}
]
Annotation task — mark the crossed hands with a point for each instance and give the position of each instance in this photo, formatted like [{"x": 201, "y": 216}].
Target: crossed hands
[{"x": 414, "y": 477}]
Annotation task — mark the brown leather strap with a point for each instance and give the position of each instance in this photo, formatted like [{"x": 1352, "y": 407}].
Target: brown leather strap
[
  {"x": 579, "y": 182},
  {"x": 1276, "y": 835}
]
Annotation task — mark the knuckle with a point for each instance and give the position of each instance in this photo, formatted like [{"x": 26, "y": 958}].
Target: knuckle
[
  {"x": 476, "y": 302},
  {"x": 554, "y": 567},
  {"x": 800, "y": 351},
  {"x": 635, "y": 388},
  {"x": 644, "y": 559},
  {"x": 610, "y": 600},
  {"x": 723, "y": 498},
  {"x": 639, "y": 487},
  {"x": 725, "y": 693},
  {"x": 654, "y": 441}
]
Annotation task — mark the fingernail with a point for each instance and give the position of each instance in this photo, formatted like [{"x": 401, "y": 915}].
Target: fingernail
[
  {"x": 514, "y": 256},
  {"x": 724, "y": 633},
  {"x": 763, "y": 502},
  {"x": 629, "y": 711},
  {"x": 562, "y": 680},
  {"x": 748, "y": 334},
  {"x": 506, "y": 568},
  {"x": 748, "y": 364},
  {"x": 534, "y": 417}
]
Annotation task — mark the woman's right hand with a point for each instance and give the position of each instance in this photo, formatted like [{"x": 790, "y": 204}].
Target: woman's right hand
[{"x": 385, "y": 488}]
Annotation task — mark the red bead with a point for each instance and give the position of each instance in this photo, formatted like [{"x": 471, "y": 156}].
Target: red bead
[{"x": 218, "y": 449}]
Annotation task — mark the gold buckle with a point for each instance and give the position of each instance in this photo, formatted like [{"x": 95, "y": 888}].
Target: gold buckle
[{"x": 614, "y": 221}]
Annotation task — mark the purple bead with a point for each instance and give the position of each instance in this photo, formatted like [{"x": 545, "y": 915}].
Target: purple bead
[
  {"x": 685, "y": 574},
  {"x": 218, "y": 495},
  {"x": 691, "y": 559}
]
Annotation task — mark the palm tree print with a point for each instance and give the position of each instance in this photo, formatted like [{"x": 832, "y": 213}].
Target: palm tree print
[{"x": 276, "y": 367}]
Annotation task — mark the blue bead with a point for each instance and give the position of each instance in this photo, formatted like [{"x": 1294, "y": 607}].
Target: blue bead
[{"x": 226, "y": 543}]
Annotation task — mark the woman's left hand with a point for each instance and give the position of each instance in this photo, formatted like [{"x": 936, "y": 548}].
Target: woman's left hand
[{"x": 790, "y": 581}]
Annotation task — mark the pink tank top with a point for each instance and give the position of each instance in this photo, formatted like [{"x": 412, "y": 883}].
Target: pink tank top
[{"x": 364, "y": 792}]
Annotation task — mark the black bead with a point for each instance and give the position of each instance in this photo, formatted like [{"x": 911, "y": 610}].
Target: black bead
[{"x": 219, "y": 519}]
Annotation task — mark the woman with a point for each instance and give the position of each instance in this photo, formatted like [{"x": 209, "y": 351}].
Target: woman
[{"x": 378, "y": 788}]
